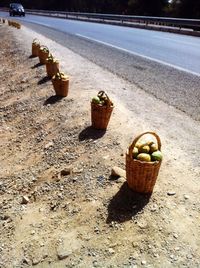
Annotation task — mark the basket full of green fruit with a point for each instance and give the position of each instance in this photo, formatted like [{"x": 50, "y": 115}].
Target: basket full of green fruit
[
  {"x": 43, "y": 54},
  {"x": 60, "y": 83},
  {"x": 101, "y": 110},
  {"x": 52, "y": 66},
  {"x": 143, "y": 161}
]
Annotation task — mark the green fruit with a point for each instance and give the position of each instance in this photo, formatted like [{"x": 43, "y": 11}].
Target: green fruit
[
  {"x": 156, "y": 156},
  {"x": 135, "y": 152},
  {"x": 144, "y": 157},
  {"x": 153, "y": 148},
  {"x": 144, "y": 149},
  {"x": 96, "y": 100}
]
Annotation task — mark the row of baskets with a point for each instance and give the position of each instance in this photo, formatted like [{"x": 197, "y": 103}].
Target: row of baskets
[
  {"x": 60, "y": 81},
  {"x": 11, "y": 23},
  {"x": 141, "y": 175}
]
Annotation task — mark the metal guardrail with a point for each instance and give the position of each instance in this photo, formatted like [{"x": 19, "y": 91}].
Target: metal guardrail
[
  {"x": 123, "y": 19},
  {"x": 158, "y": 23}
]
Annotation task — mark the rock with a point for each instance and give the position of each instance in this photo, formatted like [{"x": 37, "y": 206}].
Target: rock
[
  {"x": 48, "y": 145},
  {"x": 24, "y": 80},
  {"x": 118, "y": 172},
  {"x": 175, "y": 236},
  {"x": 66, "y": 171},
  {"x": 25, "y": 200},
  {"x": 186, "y": 196},
  {"x": 120, "y": 180},
  {"x": 154, "y": 208},
  {"x": 170, "y": 193},
  {"x": 35, "y": 261},
  {"x": 142, "y": 224},
  {"x": 143, "y": 262},
  {"x": 111, "y": 251},
  {"x": 63, "y": 254}
]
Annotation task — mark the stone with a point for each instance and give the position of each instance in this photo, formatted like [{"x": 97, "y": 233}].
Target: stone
[
  {"x": 25, "y": 200},
  {"x": 175, "y": 236},
  {"x": 118, "y": 172},
  {"x": 63, "y": 254},
  {"x": 35, "y": 261},
  {"x": 48, "y": 145},
  {"x": 170, "y": 193},
  {"x": 111, "y": 251},
  {"x": 120, "y": 180}
]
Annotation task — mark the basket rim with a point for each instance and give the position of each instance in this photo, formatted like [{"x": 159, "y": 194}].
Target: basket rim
[{"x": 102, "y": 106}]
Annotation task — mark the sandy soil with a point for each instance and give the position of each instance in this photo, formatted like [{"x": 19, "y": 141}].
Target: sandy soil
[{"x": 88, "y": 218}]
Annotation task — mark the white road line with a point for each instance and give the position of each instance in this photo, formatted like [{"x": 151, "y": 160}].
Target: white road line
[
  {"x": 140, "y": 55},
  {"x": 177, "y": 41},
  {"x": 40, "y": 23}
]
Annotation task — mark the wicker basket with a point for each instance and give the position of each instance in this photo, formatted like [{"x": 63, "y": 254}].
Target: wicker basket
[
  {"x": 52, "y": 68},
  {"x": 43, "y": 55},
  {"x": 61, "y": 86},
  {"x": 141, "y": 176},
  {"x": 35, "y": 48},
  {"x": 100, "y": 114}
]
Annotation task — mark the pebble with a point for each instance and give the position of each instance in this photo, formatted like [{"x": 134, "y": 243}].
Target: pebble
[
  {"x": 154, "y": 208},
  {"x": 25, "y": 200},
  {"x": 111, "y": 251},
  {"x": 120, "y": 180},
  {"x": 118, "y": 172},
  {"x": 48, "y": 145},
  {"x": 170, "y": 193},
  {"x": 63, "y": 254},
  {"x": 186, "y": 196},
  {"x": 175, "y": 236},
  {"x": 35, "y": 261},
  {"x": 143, "y": 262}
]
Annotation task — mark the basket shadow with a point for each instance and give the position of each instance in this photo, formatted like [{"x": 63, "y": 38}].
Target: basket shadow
[
  {"x": 44, "y": 80},
  {"x": 53, "y": 100},
  {"x": 37, "y": 65},
  {"x": 126, "y": 204},
  {"x": 91, "y": 133},
  {"x": 32, "y": 56}
]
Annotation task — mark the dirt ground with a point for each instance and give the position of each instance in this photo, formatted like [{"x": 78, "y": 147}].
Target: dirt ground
[{"x": 87, "y": 218}]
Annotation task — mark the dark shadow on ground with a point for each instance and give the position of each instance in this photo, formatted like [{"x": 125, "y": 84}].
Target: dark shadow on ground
[
  {"x": 91, "y": 133},
  {"x": 53, "y": 100},
  {"x": 44, "y": 80},
  {"x": 32, "y": 56},
  {"x": 37, "y": 65},
  {"x": 126, "y": 204}
]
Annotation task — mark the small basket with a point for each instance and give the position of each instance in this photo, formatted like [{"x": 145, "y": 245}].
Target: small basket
[
  {"x": 61, "y": 86},
  {"x": 43, "y": 55},
  {"x": 100, "y": 114},
  {"x": 35, "y": 47},
  {"x": 140, "y": 175}
]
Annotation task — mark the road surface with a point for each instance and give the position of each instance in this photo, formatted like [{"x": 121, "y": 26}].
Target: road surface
[{"x": 164, "y": 64}]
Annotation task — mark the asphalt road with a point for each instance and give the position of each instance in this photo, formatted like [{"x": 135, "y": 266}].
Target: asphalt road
[
  {"x": 163, "y": 64},
  {"x": 180, "y": 51}
]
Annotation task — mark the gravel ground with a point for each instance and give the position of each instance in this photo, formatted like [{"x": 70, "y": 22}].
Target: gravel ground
[{"x": 59, "y": 204}]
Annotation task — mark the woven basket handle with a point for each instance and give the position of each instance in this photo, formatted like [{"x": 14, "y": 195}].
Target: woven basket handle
[
  {"x": 139, "y": 136},
  {"x": 36, "y": 40},
  {"x": 101, "y": 93},
  {"x": 44, "y": 47}
]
